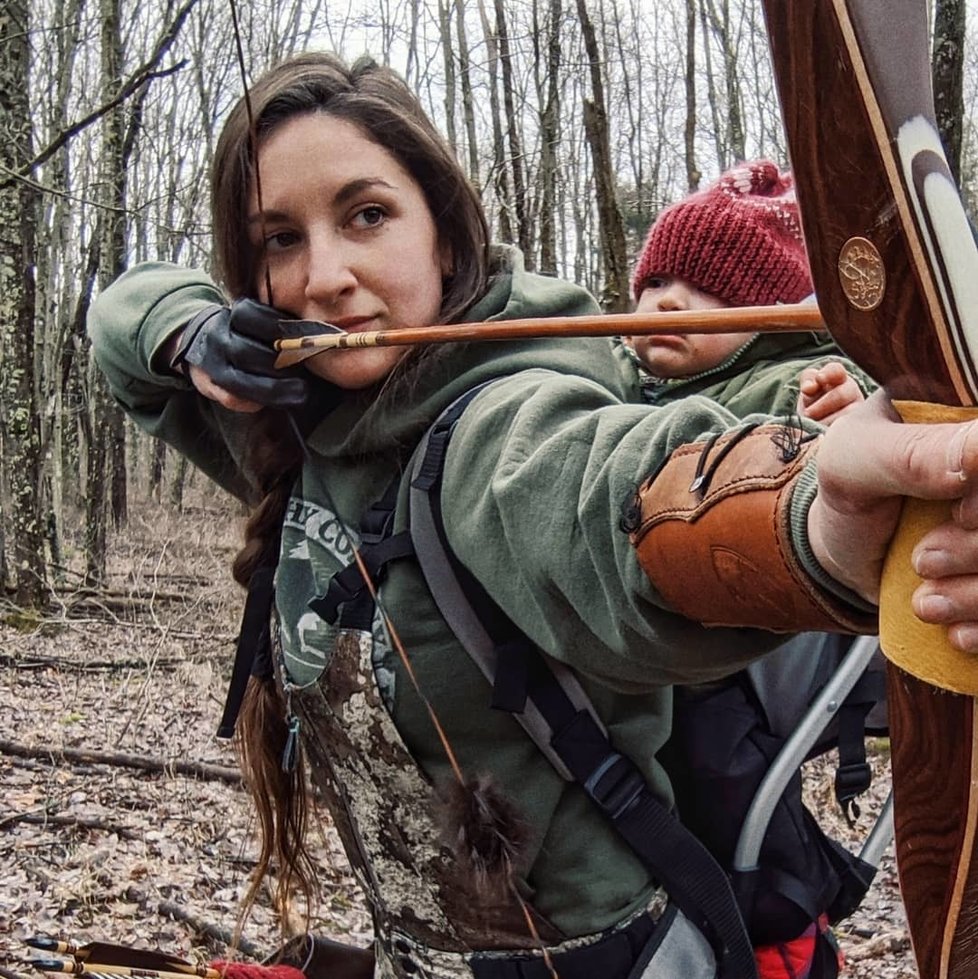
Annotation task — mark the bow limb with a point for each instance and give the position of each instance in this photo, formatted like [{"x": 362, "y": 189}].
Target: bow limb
[{"x": 895, "y": 267}]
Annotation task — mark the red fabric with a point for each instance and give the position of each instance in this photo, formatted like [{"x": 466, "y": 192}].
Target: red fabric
[
  {"x": 791, "y": 960},
  {"x": 739, "y": 240},
  {"x": 248, "y": 970}
]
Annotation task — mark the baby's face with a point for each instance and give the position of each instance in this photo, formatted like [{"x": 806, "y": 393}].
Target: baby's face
[{"x": 682, "y": 355}]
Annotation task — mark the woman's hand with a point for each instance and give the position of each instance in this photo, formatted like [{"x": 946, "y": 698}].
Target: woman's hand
[
  {"x": 227, "y": 354},
  {"x": 866, "y": 462}
]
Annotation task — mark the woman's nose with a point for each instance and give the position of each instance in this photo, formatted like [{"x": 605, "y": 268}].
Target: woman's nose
[{"x": 331, "y": 274}]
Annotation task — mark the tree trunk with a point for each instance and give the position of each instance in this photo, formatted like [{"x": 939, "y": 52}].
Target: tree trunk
[
  {"x": 948, "y": 75},
  {"x": 500, "y": 173},
  {"x": 728, "y": 120},
  {"x": 516, "y": 162},
  {"x": 103, "y": 448},
  {"x": 549, "y": 139},
  {"x": 465, "y": 80},
  {"x": 615, "y": 295},
  {"x": 19, "y": 204},
  {"x": 448, "y": 59},
  {"x": 693, "y": 174}
]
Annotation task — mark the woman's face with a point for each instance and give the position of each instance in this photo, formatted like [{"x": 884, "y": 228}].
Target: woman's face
[{"x": 348, "y": 238}]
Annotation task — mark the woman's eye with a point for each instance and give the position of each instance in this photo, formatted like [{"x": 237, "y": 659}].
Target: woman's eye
[
  {"x": 278, "y": 240},
  {"x": 370, "y": 217}
]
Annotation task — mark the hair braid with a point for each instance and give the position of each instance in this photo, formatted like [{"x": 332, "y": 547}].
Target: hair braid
[{"x": 280, "y": 796}]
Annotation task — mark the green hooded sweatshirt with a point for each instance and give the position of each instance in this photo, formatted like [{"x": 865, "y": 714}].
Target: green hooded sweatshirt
[{"x": 538, "y": 471}]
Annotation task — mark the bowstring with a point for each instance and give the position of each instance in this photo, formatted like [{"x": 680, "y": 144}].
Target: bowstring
[{"x": 253, "y": 147}]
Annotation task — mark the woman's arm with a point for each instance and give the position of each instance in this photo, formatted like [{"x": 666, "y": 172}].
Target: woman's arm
[{"x": 134, "y": 325}]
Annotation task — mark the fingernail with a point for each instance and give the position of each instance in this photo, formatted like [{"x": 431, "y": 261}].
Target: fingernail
[
  {"x": 930, "y": 562},
  {"x": 955, "y": 451},
  {"x": 932, "y": 608},
  {"x": 966, "y": 638}
]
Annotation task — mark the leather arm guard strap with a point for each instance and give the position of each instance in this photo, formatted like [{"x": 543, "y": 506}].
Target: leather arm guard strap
[{"x": 713, "y": 535}]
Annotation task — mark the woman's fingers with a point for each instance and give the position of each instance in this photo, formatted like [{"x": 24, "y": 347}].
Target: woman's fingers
[
  {"x": 951, "y": 602},
  {"x": 201, "y": 380},
  {"x": 946, "y": 551}
]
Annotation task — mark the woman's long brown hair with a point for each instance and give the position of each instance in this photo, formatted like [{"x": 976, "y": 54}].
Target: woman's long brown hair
[{"x": 378, "y": 101}]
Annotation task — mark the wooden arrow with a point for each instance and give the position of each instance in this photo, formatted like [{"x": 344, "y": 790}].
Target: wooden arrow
[{"x": 295, "y": 347}]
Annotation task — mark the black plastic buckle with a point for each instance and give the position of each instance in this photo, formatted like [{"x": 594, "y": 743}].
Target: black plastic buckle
[
  {"x": 327, "y": 606},
  {"x": 615, "y": 784},
  {"x": 852, "y": 780}
]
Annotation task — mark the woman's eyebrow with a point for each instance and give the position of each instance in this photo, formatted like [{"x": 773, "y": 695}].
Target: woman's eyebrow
[
  {"x": 358, "y": 186},
  {"x": 348, "y": 191}
]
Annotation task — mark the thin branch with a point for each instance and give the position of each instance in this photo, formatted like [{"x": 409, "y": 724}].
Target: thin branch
[
  {"x": 134, "y": 83},
  {"x": 61, "y": 663},
  {"x": 170, "y": 909},
  {"x": 144, "y": 74},
  {"x": 44, "y": 818},
  {"x": 10, "y": 974},
  {"x": 169, "y": 766}
]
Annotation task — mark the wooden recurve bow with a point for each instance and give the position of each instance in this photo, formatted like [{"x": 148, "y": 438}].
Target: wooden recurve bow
[{"x": 895, "y": 268}]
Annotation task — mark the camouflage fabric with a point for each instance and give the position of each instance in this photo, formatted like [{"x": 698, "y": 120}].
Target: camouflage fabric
[{"x": 427, "y": 917}]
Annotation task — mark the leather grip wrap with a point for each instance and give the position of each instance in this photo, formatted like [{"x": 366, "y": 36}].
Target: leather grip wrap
[{"x": 722, "y": 554}]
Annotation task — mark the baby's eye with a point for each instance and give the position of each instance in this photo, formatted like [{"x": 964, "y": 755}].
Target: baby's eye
[
  {"x": 656, "y": 282},
  {"x": 370, "y": 216}
]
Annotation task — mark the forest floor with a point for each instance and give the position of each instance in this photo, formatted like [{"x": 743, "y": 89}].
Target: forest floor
[{"x": 121, "y": 815}]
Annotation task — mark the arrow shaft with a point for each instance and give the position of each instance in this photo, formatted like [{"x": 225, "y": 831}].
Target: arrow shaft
[{"x": 797, "y": 318}]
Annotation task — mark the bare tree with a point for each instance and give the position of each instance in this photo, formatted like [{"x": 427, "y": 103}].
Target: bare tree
[
  {"x": 615, "y": 295},
  {"x": 500, "y": 173},
  {"x": 693, "y": 174},
  {"x": 524, "y": 237},
  {"x": 102, "y": 434},
  {"x": 549, "y": 140},
  {"x": 19, "y": 203},
  {"x": 465, "y": 80},
  {"x": 948, "y": 74}
]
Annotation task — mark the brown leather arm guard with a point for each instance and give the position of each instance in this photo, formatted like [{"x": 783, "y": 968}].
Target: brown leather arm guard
[{"x": 712, "y": 533}]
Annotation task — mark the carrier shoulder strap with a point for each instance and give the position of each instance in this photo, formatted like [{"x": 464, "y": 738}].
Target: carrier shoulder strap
[{"x": 545, "y": 697}]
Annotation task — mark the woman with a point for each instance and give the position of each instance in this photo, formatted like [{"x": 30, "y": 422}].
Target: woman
[{"x": 364, "y": 220}]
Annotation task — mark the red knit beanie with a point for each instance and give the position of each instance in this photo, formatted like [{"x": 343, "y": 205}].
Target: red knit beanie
[{"x": 739, "y": 240}]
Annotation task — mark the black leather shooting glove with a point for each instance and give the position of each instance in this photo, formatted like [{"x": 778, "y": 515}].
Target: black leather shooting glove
[{"x": 233, "y": 346}]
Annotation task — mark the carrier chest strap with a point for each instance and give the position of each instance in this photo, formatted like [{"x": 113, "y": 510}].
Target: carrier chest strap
[{"x": 347, "y": 599}]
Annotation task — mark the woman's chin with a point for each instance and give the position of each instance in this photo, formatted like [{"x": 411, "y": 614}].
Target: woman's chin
[{"x": 357, "y": 368}]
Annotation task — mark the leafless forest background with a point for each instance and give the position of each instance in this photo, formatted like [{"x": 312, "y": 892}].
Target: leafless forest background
[{"x": 577, "y": 119}]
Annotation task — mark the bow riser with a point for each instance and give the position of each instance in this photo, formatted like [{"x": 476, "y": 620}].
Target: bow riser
[
  {"x": 895, "y": 269},
  {"x": 888, "y": 239}
]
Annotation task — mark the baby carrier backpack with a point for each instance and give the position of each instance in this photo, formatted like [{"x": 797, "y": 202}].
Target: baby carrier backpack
[{"x": 726, "y": 737}]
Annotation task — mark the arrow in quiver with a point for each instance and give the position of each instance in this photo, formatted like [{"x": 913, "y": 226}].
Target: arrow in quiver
[{"x": 895, "y": 267}]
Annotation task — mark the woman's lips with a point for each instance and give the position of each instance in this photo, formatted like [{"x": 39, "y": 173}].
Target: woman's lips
[{"x": 353, "y": 324}]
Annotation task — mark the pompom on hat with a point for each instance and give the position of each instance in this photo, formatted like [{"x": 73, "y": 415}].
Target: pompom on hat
[{"x": 739, "y": 240}]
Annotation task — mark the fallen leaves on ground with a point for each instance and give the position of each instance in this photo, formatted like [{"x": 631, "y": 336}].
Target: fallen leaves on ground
[{"x": 98, "y": 852}]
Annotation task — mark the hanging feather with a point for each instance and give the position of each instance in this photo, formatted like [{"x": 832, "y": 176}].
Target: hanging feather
[{"x": 485, "y": 832}]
